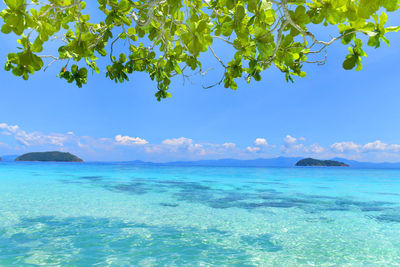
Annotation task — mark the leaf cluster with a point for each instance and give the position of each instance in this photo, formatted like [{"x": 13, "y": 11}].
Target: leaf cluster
[{"x": 165, "y": 38}]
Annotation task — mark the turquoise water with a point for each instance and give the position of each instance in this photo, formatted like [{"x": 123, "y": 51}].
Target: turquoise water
[{"x": 120, "y": 215}]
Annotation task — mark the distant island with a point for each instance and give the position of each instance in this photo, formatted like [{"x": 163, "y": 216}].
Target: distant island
[
  {"x": 320, "y": 163},
  {"x": 55, "y": 156}
]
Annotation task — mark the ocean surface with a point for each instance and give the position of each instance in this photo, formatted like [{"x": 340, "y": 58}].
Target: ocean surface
[{"x": 94, "y": 214}]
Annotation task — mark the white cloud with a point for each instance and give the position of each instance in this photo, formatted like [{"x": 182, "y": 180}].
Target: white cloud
[
  {"x": 229, "y": 145},
  {"x": 291, "y": 145},
  {"x": 372, "y": 151},
  {"x": 395, "y": 147},
  {"x": 181, "y": 141},
  {"x": 59, "y": 141},
  {"x": 9, "y": 128},
  {"x": 380, "y": 146},
  {"x": 33, "y": 138},
  {"x": 316, "y": 149},
  {"x": 348, "y": 146},
  {"x": 181, "y": 144},
  {"x": 295, "y": 145},
  {"x": 197, "y": 148},
  {"x": 376, "y": 146},
  {"x": 289, "y": 139},
  {"x": 253, "y": 149},
  {"x": 259, "y": 146},
  {"x": 260, "y": 142},
  {"x": 129, "y": 141}
]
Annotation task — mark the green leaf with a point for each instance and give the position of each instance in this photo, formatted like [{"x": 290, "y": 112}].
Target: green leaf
[
  {"x": 392, "y": 29},
  {"x": 122, "y": 58},
  {"x": 265, "y": 5},
  {"x": 6, "y": 29},
  {"x": 82, "y": 72},
  {"x": 382, "y": 20},
  {"x": 367, "y": 7},
  {"x": 74, "y": 69},
  {"x": 350, "y": 63},
  {"x": 390, "y": 5},
  {"x": 131, "y": 31}
]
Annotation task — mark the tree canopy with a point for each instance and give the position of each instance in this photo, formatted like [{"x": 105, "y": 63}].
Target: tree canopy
[{"x": 164, "y": 38}]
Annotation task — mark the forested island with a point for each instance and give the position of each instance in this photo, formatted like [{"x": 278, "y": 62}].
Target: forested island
[
  {"x": 309, "y": 162},
  {"x": 55, "y": 156}
]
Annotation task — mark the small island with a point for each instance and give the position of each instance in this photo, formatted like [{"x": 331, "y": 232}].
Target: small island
[
  {"x": 54, "y": 156},
  {"x": 310, "y": 162}
]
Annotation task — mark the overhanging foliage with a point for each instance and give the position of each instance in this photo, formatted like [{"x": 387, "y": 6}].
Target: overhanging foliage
[{"x": 261, "y": 32}]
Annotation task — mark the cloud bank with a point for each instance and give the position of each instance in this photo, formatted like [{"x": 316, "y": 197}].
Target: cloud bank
[{"x": 14, "y": 139}]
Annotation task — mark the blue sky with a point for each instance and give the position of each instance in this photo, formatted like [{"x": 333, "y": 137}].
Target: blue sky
[{"x": 331, "y": 112}]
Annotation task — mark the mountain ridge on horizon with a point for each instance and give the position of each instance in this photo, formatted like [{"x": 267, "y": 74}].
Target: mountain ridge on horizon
[
  {"x": 281, "y": 161},
  {"x": 267, "y": 162}
]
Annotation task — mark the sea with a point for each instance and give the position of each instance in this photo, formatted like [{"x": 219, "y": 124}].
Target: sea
[{"x": 116, "y": 214}]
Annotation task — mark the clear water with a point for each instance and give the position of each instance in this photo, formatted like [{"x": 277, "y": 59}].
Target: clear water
[{"x": 120, "y": 215}]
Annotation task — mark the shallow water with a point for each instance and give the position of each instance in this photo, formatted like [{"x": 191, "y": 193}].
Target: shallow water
[{"x": 117, "y": 214}]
